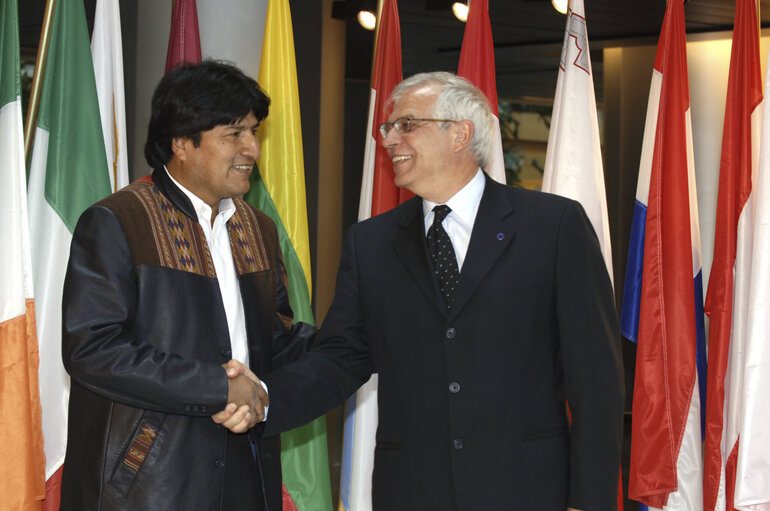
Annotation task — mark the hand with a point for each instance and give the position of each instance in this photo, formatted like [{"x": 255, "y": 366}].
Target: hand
[
  {"x": 234, "y": 368},
  {"x": 243, "y": 411}
]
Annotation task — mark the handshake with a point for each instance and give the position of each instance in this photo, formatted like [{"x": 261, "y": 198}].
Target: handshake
[{"x": 246, "y": 399}]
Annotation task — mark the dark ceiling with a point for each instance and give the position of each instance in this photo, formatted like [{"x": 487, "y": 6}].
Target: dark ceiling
[{"x": 528, "y": 37}]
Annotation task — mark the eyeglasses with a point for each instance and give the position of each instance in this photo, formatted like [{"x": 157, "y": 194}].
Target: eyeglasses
[{"x": 406, "y": 124}]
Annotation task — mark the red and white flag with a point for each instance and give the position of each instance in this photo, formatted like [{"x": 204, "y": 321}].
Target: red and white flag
[
  {"x": 184, "y": 41},
  {"x": 666, "y": 459},
  {"x": 752, "y": 487},
  {"x": 573, "y": 159},
  {"x": 477, "y": 64},
  {"x": 379, "y": 193},
  {"x": 728, "y": 289}
]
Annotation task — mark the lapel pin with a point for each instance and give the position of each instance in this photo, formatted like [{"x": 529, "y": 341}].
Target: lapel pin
[{"x": 500, "y": 236}]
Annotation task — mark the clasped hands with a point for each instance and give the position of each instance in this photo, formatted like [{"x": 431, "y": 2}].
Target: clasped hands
[{"x": 246, "y": 399}]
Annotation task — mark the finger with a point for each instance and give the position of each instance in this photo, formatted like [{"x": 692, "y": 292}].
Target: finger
[
  {"x": 263, "y": 396},
  {"x": 234, "y": 368},
  {"x": 240, "y": 420},
  {"x": 225, "y": 414}
]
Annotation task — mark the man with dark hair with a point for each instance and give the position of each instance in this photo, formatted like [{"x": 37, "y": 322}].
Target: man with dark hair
[
  {"x": 175, "y": 288},
  {"x": 485, "y": 310}
]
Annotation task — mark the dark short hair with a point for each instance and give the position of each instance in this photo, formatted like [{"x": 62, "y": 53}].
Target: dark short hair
[{"x": 194, "y": 98}]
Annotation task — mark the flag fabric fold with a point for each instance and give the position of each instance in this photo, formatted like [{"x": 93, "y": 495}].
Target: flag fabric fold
[
  {"x": 107, "y": 53},
  {"x": 573, "y": 159},
  {"x": 752, "y": 487},
  {"x": 68, "y": 173},
  {"x": 184, "y": 40},
  {"x": 278, "y": 189},
  {"x": 22, "y": 476},
  {"x": 477, "y": 64},
  {"x": 379, "y": 193},
  {"x": 728, "y": 289},
  {"x": 663, "y": 277}
]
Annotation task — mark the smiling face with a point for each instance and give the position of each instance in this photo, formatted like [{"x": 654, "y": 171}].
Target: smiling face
[
  {"x": 430, "y": 162},
  {"x": 220, "y": 166}
]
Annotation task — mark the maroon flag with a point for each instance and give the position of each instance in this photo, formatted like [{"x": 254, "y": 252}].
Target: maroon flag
[{"x": 184, "y": 42}]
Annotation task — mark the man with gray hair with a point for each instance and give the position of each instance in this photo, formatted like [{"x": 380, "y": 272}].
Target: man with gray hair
[{"x": 487, "y": 312}]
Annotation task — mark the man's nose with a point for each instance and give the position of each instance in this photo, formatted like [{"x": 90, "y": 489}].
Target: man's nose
[
  {"x": 391, "y": 138},
  {"x": 251, "y": 146}
]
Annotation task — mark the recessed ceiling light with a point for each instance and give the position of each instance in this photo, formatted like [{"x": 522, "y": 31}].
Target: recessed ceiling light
[{"x": 460, "y": 11}]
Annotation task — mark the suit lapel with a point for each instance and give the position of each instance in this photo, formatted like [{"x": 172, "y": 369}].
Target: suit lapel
[
  {"x": 410, "y": 247},
  {"x": 492, "y": 232}
]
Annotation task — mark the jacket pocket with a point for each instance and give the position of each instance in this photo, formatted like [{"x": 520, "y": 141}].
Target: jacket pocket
[
  {"x": 144, "y": 436},
  {"x": 546, "y": 433}
]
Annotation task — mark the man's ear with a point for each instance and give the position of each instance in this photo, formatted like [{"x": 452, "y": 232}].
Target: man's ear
[
  {"x": 180, "y": 146},
  {"x": 462, "y": 134}
]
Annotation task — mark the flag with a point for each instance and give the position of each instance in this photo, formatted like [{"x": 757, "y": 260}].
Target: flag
[
  {"x": 662, "y": 299},
  {"x": 184, "y": 41},
  {"x": 728, "y": 289},
  {"x": 107, "y": 51},
  {"x": 22, "y": 474},
  {"x": 573, "y": 159},
  {"x": 280, "y": 192},
  {"x": 68, "y": 173},
  {"x": 379, "y": 193},
  {"x": 477, "y": 64},
  {"x": 752, "y": 487}
]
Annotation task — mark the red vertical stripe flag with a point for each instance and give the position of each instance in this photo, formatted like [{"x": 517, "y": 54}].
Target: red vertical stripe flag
[
  {"x": 477, "y": 64},
  {"x": 728, "y": 290},
  {"x": 379, "y": 193},
  {"x": 666, "y": 460},
  {"x": 752, "y": 478},
  {"x": 184, "y": 41}
]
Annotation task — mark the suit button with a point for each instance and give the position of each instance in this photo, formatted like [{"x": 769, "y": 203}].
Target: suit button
[
  {"x": 220, "y": 463},
  {"x": 186, "y": 408},
  {"x": 457, "y": 444},
  {"x": 203, "y": 409},
  {"x": 454, "y": 387},
  {"x": 227, "y": 353},
  {"x": 195, "y": 408},
  {"x": 450, "y": 333}
]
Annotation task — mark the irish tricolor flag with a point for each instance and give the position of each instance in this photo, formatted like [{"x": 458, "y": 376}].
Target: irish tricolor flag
[
  {"x": 21, "y": 473},
  {"x": 68, "y": 173}
]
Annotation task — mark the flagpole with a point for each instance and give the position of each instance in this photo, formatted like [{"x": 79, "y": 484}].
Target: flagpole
[
  {"x": 380, "y": 4},
  {"x": 37, "y": 79}
]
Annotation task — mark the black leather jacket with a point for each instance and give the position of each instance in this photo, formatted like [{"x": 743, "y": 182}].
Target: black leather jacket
[{"x": 144, "y": 338}]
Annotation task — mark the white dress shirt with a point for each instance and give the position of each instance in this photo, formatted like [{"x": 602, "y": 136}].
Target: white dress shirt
[
  {"x": 218, "y": 240},
  {"x": 459, "y": 223}
]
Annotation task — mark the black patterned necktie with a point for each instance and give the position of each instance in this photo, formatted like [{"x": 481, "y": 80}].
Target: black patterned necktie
[{"x": 443, "y": 254}]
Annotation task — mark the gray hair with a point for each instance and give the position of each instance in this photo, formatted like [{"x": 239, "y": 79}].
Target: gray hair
[{"x": 458, "y": 99}]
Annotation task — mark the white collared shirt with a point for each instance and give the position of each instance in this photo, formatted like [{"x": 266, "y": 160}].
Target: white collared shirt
[
  {"x": 218, "y": 240},
  {"x": 459, "y": 223}
]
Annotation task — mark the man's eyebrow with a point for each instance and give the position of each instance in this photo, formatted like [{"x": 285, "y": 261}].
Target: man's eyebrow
[{"x": 239, "y": 125}]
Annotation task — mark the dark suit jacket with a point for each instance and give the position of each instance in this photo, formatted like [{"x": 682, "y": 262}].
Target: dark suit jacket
[
  {"x": 144, "y": 337},
  {"x": 472, "y": 408}
]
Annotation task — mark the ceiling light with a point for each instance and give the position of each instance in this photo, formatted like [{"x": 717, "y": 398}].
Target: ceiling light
[
  {"x": 367, "y": 19},
  {"x": 560, "y": 5},
  {"x": 460, "y": 11}
]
